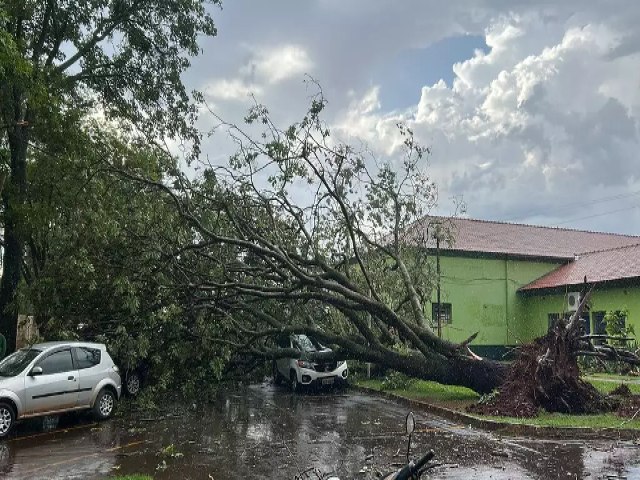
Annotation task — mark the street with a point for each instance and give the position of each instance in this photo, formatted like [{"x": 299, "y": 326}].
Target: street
[{"x": 265, "y": 432}]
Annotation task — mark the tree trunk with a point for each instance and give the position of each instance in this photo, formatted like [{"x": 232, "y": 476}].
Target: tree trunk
[
  {"x": 482, "y": 376},
  {"x": 479, "y": 374},
  {"x": 13, "y": 198}
]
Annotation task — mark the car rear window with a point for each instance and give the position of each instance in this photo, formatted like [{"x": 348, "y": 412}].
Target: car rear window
[{"x": 87, "y": 357}]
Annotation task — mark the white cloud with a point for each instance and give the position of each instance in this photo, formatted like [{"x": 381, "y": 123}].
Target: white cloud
[
  {"x": 552, "y": 111},
  {"x": 263, "y": 70},
  {"x": 234, "y": 89},
  {"x": 276, "y": 64},
  {"x": 549, "y": 116}
]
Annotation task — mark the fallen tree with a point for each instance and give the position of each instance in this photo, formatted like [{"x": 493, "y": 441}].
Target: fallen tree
[
  {"x": 546, "y": 374},
  {"x": 301, "y": 234},
  {"x": 304, "y": 235}
]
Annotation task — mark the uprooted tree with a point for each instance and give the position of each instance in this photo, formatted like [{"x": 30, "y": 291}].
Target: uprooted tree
[
  {"x": 546, "y": 374},
  {"x": 302, "y": 234}
]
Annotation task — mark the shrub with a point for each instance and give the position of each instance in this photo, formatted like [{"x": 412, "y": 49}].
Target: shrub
[{"x": 397, "y": 381}]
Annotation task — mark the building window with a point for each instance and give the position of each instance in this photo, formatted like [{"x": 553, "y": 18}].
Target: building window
[
  {"x": 599, "y": 325},
  {"x": 445, "y": 313},
  {"x": 586, "y": 323},
  {"x": 552, "y": 318}
]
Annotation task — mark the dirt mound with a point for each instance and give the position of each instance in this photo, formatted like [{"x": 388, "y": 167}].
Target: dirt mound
[
  {"x": 545, "y": 375},
  {"x": 629, "y": 407},
  {"x": 621, "y": 391}
]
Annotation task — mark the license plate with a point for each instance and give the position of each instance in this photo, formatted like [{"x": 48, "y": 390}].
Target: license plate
[{"x": 327, "y": 381}]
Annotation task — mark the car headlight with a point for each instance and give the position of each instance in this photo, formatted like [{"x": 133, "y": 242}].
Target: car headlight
[
  {"x": 305, "y": 364},
  {"x": 341, "y": 362}
]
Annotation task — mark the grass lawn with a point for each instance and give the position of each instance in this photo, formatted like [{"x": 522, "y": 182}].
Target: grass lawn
[
  {"x": 605, "y": 386},
  {"x": 458, "y": 398},
  {"x": 449, "y": 396},
  {"x": 132, "y": 477},
  {"x": 604, "y": 420},
  {"x": 613, "y": 376}
]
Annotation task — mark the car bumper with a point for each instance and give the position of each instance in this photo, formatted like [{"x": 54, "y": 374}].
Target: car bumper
[{"x": 334, "y": 377}]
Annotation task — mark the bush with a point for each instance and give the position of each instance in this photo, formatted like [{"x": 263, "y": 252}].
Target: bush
[{"x": 397, "y": 381}]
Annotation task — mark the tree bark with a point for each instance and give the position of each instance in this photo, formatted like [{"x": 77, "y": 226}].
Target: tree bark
[
  {"x": 13, "y": 197},
  {"x": 482, "y": 376}
]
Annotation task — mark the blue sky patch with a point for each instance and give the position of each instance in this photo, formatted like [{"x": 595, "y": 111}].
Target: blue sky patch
[{"x": 402, "y": 79}]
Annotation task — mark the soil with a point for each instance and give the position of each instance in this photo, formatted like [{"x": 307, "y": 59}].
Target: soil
[
  {"x": 629, "y": 406},
  {"x": 545, "y": 375}
]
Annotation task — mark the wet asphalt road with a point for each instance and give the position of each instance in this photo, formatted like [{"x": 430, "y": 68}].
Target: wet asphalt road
[{"x": 265, "y": 432}]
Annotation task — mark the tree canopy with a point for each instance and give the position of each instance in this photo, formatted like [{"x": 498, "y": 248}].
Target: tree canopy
[
  {"x": 60, "y": 60},
  {"x": 303, "y": 234}
]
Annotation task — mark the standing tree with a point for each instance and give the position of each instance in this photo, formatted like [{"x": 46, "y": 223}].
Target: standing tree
[
  {"x": 97, "y": 266},
  {"x": 58, "y": 59}
]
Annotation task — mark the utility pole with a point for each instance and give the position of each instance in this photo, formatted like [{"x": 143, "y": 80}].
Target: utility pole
[
  {"x": 369, "y": 363},
  {"x": 438, "y": 289}
]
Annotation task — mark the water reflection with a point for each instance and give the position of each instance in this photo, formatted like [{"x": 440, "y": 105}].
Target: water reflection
[{"x": 266, "y": 432}]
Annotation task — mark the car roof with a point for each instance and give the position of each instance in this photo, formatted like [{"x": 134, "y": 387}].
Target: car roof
[{"x": 44, "y": 346}]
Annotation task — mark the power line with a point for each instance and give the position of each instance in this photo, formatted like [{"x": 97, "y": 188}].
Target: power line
[
  {"x": 598, "y": 215},
  {"x": 572, "y": 205}
]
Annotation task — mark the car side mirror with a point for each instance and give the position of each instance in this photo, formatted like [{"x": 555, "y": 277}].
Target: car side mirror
[
  {"x": 35, "y": 371},
  {"x": 410, "y": 423},
  {"x": 410, "y": 426}
]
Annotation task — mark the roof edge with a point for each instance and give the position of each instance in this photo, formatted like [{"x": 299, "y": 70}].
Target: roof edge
[{"x": 528, "y": 225}]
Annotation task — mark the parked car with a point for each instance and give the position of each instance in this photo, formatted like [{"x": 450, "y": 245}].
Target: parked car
[
  {"x": 133, "y": 377},
  {"x": 57, "y": 377},
  {"x": 315, "y": 366}
]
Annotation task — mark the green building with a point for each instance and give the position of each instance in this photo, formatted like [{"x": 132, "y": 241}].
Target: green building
[{"x": 508, "y": 282}]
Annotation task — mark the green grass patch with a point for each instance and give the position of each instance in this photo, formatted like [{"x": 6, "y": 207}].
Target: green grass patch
[
  {"x": 458, "y": 398},
  {"x": 432, "y": 392},
  {"x": 612, "y": 376},
  {"x": 605, "y": 386},
  {"x": 132, "y": 477},
  {"x": 559, "y": 420}
]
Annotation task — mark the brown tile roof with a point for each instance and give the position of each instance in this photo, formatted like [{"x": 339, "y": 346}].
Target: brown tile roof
[
  {"x": 517, "y": 239},
  {"x": 615, "y": 264}
]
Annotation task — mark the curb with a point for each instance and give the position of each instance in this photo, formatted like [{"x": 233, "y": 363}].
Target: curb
[{"x": 510, "y": 429}]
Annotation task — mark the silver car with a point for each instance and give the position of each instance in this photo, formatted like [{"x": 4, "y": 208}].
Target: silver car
[{"x": 55, "y": 377}]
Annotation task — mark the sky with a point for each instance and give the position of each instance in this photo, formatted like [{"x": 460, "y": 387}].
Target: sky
[{"x": 531, "y": 109}]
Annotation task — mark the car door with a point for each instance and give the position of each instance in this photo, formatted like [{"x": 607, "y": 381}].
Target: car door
[
  {"x": 90, "y": 372},
  {"x": 283, "y": 363},
  {"x": 56, "y": 388}
]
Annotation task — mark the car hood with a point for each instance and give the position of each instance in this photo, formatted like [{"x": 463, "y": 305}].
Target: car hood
[{"x": 320, "y": 355}]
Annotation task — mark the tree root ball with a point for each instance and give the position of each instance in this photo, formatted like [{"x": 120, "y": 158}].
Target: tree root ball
[{"x": 545, "y": 376}]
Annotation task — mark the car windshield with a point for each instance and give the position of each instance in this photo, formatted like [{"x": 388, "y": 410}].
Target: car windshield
[
  {"x": 17, "y": 361},
  {"x": 306, "y": 344}
]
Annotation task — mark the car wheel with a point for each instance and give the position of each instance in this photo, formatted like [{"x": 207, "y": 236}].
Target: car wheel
[
  {"x": 7, "y": 419},
  {"x": 295, "y": 385},
  {"x": 132, "y": 384},
  {"x": 105, "y": 404},
  {"x": 277, "y": 378}
]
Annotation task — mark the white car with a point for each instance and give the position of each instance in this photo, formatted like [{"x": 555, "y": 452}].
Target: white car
[
  {"x": 56, "y": 377},
  {"x": 314, "y": 367}
]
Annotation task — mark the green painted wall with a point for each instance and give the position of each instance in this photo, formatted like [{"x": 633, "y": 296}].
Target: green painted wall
[
  {"x": 483, "y": 298},
  {"x": 604, "y": 299}
]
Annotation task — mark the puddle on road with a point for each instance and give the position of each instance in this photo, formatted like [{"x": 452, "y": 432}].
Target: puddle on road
[{"x": 264, "y": 432}]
